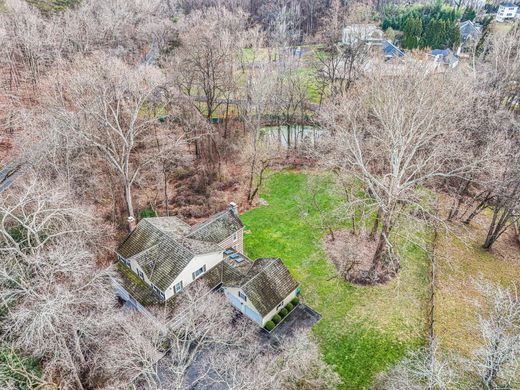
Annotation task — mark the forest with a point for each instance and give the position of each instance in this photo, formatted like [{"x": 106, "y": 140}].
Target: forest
[{"x": 389, "y": 188}]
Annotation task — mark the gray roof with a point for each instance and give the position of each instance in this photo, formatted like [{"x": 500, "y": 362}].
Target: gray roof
[
  {"x": 216, "y": 228},
  {"x": 267, "y": 283},
  {"x": 160, "y": 248},
  {"x": 469, "y": 29}
]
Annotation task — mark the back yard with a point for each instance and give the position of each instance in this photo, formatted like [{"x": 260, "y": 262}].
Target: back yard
[{"x": 363, "y": 329}]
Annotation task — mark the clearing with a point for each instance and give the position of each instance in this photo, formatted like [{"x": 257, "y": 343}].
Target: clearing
[{"x": 363, "y": 330}]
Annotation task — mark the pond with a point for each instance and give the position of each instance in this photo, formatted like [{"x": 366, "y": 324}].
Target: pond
[{"x": 292, "y": 136}]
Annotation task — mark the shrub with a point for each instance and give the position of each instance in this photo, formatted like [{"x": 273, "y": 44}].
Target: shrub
[
  {"x": 295, "y": 301},
  {"x": 276, "y": 318},
  {"x": 283, "y": 312},
  {"x": 147, "y": 212},
  {"x": 289, "y": 306},
  {"x": 269, "y": 325}
]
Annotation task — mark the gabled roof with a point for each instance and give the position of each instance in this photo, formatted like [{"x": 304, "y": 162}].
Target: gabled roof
[
  {"x": 391, "y": 50},
  {"x": 216, "y": 228},
  {"x": 468, "y": 28},
  {"x": 267, "y": 283},
  {"x": 160, "y": 248}
]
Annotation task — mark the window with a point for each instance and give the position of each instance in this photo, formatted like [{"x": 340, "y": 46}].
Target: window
[
  {"x": 279, "y": 306},
  {"x": 123, "y": 260},
  {"x": 199, "y": 272},
  {"x": 235, "y": 236},
  {"x": 242, "y": 295},
  {"x": 140, "y": 274},
  {"x": 178, "y": 287}
]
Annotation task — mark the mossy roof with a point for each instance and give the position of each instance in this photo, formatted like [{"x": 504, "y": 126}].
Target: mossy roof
[
  {"x": 267, "y": 283},
  {"x": 216, "y": 228}
]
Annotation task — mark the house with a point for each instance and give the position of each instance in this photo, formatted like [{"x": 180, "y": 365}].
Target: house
[
  {"x": 368, "y": 33},
  {"x": 162, "y": 256},
  {"x": 469, "y": 31},
  {"x": 506, "y": 12},
  {"x": 391, "y": 51},
  {"x": 445, "y": 57}
]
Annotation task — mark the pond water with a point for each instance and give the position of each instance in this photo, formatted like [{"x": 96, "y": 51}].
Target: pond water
[{"x": 292, "y": 136}]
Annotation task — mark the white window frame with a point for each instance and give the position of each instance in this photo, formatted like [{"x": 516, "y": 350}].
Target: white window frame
[
  {"x": 178, "y": 290},
  {"x": 234, "y": 236},
  {"x": 242, "y": 296},
  {"x": 140, "y": 274},
  {"x": 196, "y": 274},
  {"x": 280, "y": 305}
]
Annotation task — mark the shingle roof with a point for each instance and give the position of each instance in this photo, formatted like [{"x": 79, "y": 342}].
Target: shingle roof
[
  {"x": 161, "y": 250},
  {"x": 267, "y": 283},
  {"x": 216, "y": 228}
]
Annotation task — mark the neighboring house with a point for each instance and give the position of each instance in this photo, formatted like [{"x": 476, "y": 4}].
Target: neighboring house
[
  {"x": 445, "y": 57},
  {"x": 391, "y": 51},
  {"x": 506, "y": 12},
  {"x": 163, "y": 255},
  {"x": 368, "y": 33},
  {"x": 469, "y": 31}
]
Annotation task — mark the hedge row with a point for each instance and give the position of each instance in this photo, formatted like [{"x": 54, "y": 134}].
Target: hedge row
[{"x": 269, "y": 325}]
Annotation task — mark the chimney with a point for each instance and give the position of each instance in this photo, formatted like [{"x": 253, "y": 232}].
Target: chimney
[
  {"x": 233, "y": 208},
  {"x": 131, "y": 224}
]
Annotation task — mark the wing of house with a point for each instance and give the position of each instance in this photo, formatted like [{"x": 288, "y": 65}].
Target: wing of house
[
  {"x": 167, "y": 254},
  {"x": 262, "y": 290}
]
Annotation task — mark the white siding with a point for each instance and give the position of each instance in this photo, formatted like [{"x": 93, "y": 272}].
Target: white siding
[
  {"x": 209, "y": 260},
  {"x": 234, "y": 291},
  {"x": 288, "y": 299}
]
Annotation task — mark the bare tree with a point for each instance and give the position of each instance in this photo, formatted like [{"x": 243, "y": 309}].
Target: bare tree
[
  {"x": 496, "y": 361},
  {"x": 107, "y": 106},
  {"x": 425, "y": 368},
  {"x": 393, "y": 138}
]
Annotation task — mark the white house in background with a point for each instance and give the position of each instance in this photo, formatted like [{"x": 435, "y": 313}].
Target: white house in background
[
  {"x": 368, "y": 33},
  {"x": 507, "y": 11},
  {"x": 162, "y": 256}
]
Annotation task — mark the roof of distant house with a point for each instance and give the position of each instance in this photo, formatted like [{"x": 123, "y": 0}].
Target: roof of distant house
[
  {"x": 468, "y": 28},
  {"x": 163, "y": 246},
  {"x": 509, "y": 5},
  {"x": 391, "y": 50},
  {"x": 267, "y": 283}
]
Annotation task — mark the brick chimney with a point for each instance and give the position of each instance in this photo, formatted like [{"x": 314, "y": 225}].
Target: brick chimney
[
  {"x": 131, "y": 224},
  {"x": 233, "y": 208}
]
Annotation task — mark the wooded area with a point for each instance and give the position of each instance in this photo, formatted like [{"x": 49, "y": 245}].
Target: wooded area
[{"x": 113, "y": 111}]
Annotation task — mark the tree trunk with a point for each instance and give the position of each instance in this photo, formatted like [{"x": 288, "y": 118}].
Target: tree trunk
[{"x": 129, "y": 204}]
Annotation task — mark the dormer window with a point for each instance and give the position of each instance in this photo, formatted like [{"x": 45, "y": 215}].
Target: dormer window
[
  {"x": 234, "y": 236},
  {"x": 242, "y": 296}
]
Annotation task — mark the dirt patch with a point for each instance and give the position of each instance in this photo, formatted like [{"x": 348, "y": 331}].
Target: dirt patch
[{"x": 352, "y": 255}]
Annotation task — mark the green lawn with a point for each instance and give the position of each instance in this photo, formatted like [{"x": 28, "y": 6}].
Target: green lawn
[{"x": 363, "y": 329}]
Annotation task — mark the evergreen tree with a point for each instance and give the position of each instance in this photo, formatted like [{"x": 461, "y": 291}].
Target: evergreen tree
[
  {"x": 430, "y": 35},
  {"x": 408, "y": 33},
  {"x": 442, "y": 35},
  {"x": 453, "y": 35},
  {"x": 469, "y": 14},
  {"x": 412, "y": 33}
]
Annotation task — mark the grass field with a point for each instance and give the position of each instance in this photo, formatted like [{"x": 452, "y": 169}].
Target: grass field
[
  {"x": 363, "y": 330},
  {"x": 461, "y": 261}
]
